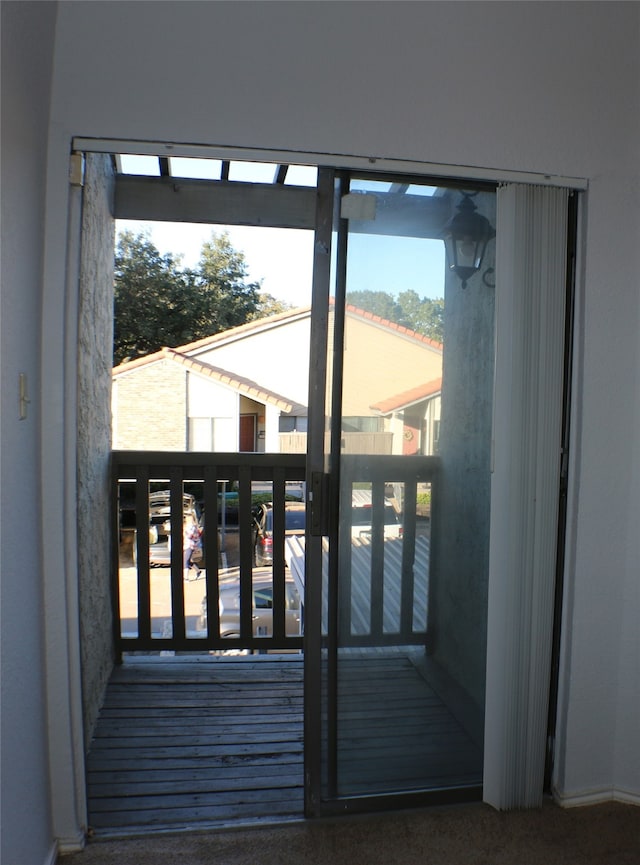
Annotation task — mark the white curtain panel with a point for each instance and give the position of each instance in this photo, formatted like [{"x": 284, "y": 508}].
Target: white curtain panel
[{"x": 531, "y": 238}]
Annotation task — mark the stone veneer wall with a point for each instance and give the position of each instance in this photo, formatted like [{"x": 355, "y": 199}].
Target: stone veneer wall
[
  {"x": 142, "y": 420},
  {"x": 95, "y": 358}
]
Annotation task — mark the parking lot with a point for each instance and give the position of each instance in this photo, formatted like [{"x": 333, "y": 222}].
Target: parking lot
[{"x": 160, "y": 590}]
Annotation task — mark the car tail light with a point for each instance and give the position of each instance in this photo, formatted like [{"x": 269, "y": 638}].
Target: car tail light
[{"x": 266, "y": 544}]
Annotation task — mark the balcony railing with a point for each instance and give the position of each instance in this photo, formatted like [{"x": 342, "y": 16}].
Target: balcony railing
[
  {"x": 206, "y": 477},
  {"x": 382, "y": 594}
]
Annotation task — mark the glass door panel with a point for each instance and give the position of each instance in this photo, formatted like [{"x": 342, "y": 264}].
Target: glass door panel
[{"x": 408, "y": 453}]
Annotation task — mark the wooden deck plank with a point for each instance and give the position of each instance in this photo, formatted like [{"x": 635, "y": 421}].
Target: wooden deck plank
[
  {"x": 189, "y": 800},
  {"x": 191, "y": 817},
  {"x": 209, "y": 741},
  {"x": 111, "y": 730},
  {"x": 191, "y": 741},
  {"x": 394, "y": 731},
  {"x": 199, "y": 752},
  {"x": 145, "y": 765},
  {"x": 146, "y": 738},
  {"x": 189, "y": 781},
  {"x": 208, "y": 771}
]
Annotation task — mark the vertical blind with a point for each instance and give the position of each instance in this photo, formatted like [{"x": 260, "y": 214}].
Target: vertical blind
[{"x": 531, "y": 250}]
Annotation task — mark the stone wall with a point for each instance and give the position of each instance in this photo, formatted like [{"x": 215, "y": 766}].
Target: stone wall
[{"x": 95, "y": 358}]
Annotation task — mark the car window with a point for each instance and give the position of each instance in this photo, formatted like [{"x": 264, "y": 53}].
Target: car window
[
  {"x": 263, "y": 599},
  {"x": 292, "y": 601},
  {"x": 294, "y": 519}
]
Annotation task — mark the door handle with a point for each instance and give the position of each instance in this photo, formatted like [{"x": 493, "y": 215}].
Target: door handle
[{"x": 318, "y": 498}]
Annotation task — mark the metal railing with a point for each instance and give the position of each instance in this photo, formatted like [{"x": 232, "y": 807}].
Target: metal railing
[{"x": 382, "y": 580}]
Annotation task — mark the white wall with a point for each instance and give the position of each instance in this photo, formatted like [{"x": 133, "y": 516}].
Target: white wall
[
  {"x": 545, "y": 87},
  {"x": 260, "y": 357},
  {"x": 208, "y": 399},
  {"x": 27, "y": 48}
]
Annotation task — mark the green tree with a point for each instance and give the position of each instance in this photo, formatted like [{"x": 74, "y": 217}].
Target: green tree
[
  {"x": 376, "y": 302},
  {"x": 157, "y": 303},
  {"x": 270, "y": 305},
  {"x": 423, "y": 314},
  {"x": 151, "y": 298},
  {"x": 226, "y": 299}
]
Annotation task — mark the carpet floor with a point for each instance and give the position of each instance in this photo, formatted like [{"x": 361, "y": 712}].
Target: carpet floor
[{"x": 607, "y": 834}]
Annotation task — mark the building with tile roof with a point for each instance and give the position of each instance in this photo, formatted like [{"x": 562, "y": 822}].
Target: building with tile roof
[{"x": 246, "y": 389}]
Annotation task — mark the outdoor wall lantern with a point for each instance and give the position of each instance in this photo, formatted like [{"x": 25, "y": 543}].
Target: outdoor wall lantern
[{"x": 465, "y": 237}]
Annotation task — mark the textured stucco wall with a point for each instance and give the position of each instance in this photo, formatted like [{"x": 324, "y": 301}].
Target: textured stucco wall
[
  {"x": 95, "y": 341},
  {"x": 459, "y": 587},
  {"x": 150, "y": 408},
  {"x": 394, "y": 363}
]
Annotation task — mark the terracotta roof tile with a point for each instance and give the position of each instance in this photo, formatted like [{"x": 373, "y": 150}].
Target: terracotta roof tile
[
  {"x": 243, "y": 329},
  {"x": 137, "y": 362},
  {"x": 239, "y": 383},
  {"x": 409, "y": 397},
  {"x": 259, "y": 323}
]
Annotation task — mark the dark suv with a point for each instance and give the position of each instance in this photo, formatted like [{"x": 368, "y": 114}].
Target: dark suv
[{"x": 294, "y": 522}]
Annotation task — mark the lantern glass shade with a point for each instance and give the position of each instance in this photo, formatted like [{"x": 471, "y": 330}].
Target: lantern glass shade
[{"x": 465, "y": 238}]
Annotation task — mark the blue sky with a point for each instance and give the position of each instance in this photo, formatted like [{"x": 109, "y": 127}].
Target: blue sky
[{"x": 282, "y": 259}]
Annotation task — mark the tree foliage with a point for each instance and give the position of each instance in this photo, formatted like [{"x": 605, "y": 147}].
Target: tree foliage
[
  {"x": 422, "y": 314},
  {"x": 227, "y": 300},
  {"x": 270, "y": 305},
  {"x": 151, "y": 298},
  {"x": 158, "y": 303}
]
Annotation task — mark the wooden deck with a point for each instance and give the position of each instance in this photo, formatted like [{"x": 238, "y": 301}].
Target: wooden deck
[
  {"x": 201, "y": 741},
  {"x": 395, "y": 733},
  {"x": 195, "y": 741}
]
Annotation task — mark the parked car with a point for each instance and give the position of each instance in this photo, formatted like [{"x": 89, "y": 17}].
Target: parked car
[
  {"x": 229, "y": 608},
  {"x": 160, "y": 512},
  {"x": 294, "y": 522},
  {"x": 160, "y": 527},
  {"x": 160, "y": 553},
  {"x": 361, "y": 522}
]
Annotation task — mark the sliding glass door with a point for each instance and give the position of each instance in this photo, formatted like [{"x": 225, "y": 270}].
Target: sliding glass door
[{"x": 398, "y": 563}]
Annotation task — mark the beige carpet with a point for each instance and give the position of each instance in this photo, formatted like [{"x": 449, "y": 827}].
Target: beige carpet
[{"x": 463, "y": 835}]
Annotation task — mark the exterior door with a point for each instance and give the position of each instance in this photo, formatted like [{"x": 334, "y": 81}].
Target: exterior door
[
  {"x": 247, "y": 433},
  {"x": 395, "y": 600}
]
